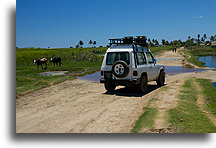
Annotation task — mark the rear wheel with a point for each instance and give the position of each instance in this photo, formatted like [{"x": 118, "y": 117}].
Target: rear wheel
[
  {"x": 109, "y": 86},
  {"x": 143, "y": 86},
  {"x": 161, "y": 79}
]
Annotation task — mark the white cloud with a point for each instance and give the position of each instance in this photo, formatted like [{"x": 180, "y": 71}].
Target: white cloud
[{"x": 199, "y": 17}]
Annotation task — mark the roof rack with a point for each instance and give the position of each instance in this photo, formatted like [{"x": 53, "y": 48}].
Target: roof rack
[{"x": 138, "y": 40}]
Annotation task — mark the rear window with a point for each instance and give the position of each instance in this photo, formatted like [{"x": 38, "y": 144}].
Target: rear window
[{"x": 112, "y": 57}]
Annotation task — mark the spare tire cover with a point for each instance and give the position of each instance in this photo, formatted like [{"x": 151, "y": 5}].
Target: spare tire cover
[{"x": 120, "y": 69}]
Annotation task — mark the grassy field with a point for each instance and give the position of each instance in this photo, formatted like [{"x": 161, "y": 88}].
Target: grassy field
[
  {"x": 195, "y": 51},
  {"x": 187, "y": 116},
  {"x": 202, "y": 50},
  {"x": 77, "y": 61},
  {"x": 158, "y": 50}
]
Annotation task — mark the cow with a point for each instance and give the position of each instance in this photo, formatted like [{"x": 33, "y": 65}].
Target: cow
[
  {"x": 41, "y": 62},
  {"x": 56, "y": 61}
]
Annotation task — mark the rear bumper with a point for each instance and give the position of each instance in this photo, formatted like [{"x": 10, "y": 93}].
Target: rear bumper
[{"x": 120, "y": 82}]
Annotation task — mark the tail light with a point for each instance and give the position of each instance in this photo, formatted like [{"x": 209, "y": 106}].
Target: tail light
[{"x": 135, "y": 73}]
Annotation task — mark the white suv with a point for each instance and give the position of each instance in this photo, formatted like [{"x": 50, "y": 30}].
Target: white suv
[{"x": 128, "y": 61}]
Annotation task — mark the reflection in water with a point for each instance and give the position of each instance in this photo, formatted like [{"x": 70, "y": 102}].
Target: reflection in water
[
  {"x": 210, "y": 61},
  {"x": 172, "y": 70}
]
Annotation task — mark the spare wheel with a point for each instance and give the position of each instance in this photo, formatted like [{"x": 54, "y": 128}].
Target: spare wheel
[{"x": 120, "y": 69}]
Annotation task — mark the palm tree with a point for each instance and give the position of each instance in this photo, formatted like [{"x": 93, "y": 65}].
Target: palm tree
[
  {"x": 167, "y": 43},
  {"x": 192, "y": 40},
  {"x": 202, "y": 39},
  {"x": 90, "y": 42},
  {"x": 198, "y": 36},
  {"x": 163, "y": 41},
  {"x": 189, "y": 37},
  {"x": 94, "y": 43},
  {"x": 80, "y": 43},
  {"x": 156, "y": 42},
  {"x": 212, "y": 38},
  {"x": 153, "y": 42},
  {"x": 205, "y": 37}
]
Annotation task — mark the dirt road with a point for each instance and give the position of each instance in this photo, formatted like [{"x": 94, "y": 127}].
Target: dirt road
[{"x": 79, "y": 106}]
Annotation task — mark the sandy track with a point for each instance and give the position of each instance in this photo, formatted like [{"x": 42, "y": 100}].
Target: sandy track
[
  {"x": 171, "y": 55},
  {"x": 78, "y": 106}
]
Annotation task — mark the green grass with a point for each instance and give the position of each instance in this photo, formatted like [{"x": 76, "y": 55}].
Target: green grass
[
  {"x": 209, "y": 95},
  {"x": 146, "y": 120},
  {"x": 78, "y": 61},
  {"x": 158, "y": 50},
  {"x": 187, "y": 117},
  {"x": 202, "y": 50},
  {"x": 192, "y": 59}
]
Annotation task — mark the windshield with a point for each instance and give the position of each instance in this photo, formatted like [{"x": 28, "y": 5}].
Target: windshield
[{"x": 112, "y": 57}]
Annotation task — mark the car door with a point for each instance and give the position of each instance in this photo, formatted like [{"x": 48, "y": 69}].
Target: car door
[
  {"x": 142, "y": 65},
  {"x": 151, "y": 64}
]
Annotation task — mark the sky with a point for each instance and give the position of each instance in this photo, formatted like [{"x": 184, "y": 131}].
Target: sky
[{"x": 62, "y": 23}]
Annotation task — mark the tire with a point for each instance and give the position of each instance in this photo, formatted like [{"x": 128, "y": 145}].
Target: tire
[
  {"x": 120, "y": 69},
  {"x": 161, "y": 79},
  {"x": 143, "y": 86},
  {"x": 109, "y": 86}
]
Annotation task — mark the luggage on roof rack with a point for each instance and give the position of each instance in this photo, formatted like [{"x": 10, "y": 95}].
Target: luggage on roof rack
[{"x": 138, "y": 40}]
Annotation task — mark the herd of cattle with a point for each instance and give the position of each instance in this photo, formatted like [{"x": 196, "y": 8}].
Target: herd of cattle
[
  {"x": 55, "y": 60},
  {"x": 43, "y": 61}
]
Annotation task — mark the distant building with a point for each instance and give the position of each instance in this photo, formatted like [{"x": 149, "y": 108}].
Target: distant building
[{"x": 213, "y": 44}]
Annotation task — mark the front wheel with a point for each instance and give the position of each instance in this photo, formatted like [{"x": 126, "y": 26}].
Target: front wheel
[
  {"x": 109, "y": 86},
  {"x": 143, "y": 86},
  {"x": 161, "y": 79}
]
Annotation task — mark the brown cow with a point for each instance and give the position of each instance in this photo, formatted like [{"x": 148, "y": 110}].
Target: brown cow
[{"x": 41, "y": 62}]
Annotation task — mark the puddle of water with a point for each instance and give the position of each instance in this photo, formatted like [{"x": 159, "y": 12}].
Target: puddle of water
[
  {"x": 95, "y": 77},
  {"x": 53, "y": 73},
  {"x": 167, "y": 59},
  {"x": 172, "y": 70},
  {"x": 214, "y": 84}
]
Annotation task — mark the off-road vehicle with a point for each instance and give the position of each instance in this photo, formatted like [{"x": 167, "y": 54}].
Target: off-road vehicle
[{"x": 128, "y": 61}]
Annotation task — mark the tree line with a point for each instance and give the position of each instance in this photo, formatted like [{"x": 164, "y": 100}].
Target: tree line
[
  {"x": 199, "y": 40},
  {"x": 81, "y": 43}
]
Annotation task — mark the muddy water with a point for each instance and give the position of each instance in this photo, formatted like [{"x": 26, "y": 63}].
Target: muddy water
[{"x": 170, "y": 70}]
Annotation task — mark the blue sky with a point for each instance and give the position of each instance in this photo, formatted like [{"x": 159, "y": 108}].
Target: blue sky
[{"x": 62, "y": 23}]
